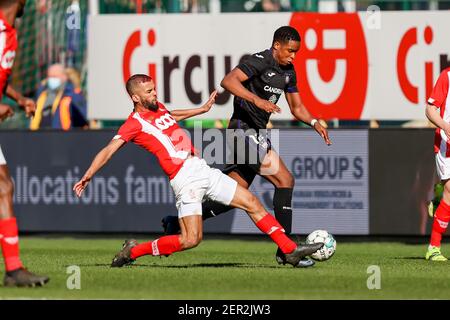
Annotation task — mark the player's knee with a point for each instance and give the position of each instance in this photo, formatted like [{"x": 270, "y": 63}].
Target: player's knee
[
  {"x": 192, "y": 240},
  {"x": 290, "y": 181},
  {"x": 285, "y": 181},
  {"x": 6, "y": 187},
  {"x": 190, "y": 243}
]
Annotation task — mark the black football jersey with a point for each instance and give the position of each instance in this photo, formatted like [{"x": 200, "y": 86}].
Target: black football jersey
[{"x": 266, "y": 79}]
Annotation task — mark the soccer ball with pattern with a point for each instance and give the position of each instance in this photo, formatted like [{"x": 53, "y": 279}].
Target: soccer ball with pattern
[{"x": 329, "y": 247}]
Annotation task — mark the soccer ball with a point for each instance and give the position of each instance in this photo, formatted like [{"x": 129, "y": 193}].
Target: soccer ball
[{"x": 329, "y": 247}]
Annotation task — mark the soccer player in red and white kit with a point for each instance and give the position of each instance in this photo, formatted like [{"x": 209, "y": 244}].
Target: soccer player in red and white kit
[
  {"x": 16, "y": 274},
  {"x": 152, "y": 127},
  {"x": 440, "y": 99}
]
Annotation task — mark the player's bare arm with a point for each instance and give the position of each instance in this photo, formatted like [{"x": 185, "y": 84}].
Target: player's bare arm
[
  {"x": 5, "y": 112},
  {"x": 99, "y": 161},
  {"x": 25, "y": 103},
  {"x": 433, "y": 115},
  {"x": 233, "y": 83},
  {"x": 183, "y": 114},
  {"x": 300, "y": 112}
]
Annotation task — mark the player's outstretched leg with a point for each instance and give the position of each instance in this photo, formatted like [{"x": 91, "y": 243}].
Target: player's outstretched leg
[
  {"x": 190, "y": 237},
  {"x": 441, "y": 220},
  {"x": 274, "y": 170},
  {"x": 265, "y": 222},
  {"x": 16, "y": 274},
  {"x": 131, "y": 250}
]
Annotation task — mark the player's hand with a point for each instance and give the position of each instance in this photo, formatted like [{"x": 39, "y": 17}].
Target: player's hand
[
  {"x": 268, "y": 106},
  {"x": 28, "y": 105},
  {"x": 323, "y": 132},
  {"x": 81, "y": 185},
  {"x": 5, "y": 112},
  {"x": 212, "y": 99}
]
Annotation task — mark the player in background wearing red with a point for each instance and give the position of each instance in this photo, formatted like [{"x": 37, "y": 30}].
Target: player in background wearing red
[
  {"x": 151, "y": 126},
  {"x": 16, "y": 274},
  {"x": 440, "y": 99}
]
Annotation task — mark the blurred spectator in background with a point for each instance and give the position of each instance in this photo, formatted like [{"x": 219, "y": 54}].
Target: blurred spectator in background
[
  {"x": 75, "y": 79},
  {"x": 59, "y": 102},
  {"x": 270, "y": 5},
  {"x": 276, "y": 5}
]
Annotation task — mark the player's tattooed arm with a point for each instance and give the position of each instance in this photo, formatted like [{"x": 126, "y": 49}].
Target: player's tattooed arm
[
  {"x": 99, "y": 161},
  {"x": 25, "y": 103},
  {"x": 233, "y": 83},
  {"x": 433, "y": 115},
  {"x": 300, "y": 112},
  {"x": 182, "y": 114}
]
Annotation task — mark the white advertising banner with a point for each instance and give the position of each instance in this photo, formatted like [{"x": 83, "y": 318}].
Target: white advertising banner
[
  {"x": 350, "y": 66},
  {"x": 332, "y": 183}
]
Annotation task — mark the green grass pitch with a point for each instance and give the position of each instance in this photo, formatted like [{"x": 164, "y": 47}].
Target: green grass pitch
[{"x": 230, "y": 269}]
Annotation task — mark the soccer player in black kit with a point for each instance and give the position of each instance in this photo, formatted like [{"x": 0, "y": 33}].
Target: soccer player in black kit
[{"x": 257, "y": 84}]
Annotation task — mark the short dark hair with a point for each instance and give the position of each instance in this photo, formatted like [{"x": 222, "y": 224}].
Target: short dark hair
[
  {"x": 136, "y": 79},
  {"x": 285, "y": 34}
]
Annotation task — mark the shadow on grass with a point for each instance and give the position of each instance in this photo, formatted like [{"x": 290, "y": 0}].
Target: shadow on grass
[
  {"x": 218, "y": 265},
  {"x": 184, "y": 266},
  {"x": 410, "y": 258}
]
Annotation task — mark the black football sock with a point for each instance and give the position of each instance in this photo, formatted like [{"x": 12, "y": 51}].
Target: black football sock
[
  {"x": 211, "y": 209},
  {"x": 282, "y": 206}
]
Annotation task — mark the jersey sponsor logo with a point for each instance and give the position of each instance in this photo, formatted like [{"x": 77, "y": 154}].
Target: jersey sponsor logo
[
  {"x": 259, "y": 56},
  {"x": 163, "y": 138},
  {"x": 333, "y": 69},
  {"x": 271, "y": 74},
  {"x": 273, "y": 90},
  {"x": 165, "y": 122}
]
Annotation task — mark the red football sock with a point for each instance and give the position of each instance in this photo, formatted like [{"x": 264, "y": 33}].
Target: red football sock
[
  {"x": 269, "y": 225},
  {"x": 163, "y": 246},
  {"x": 441, "y": 219},
  {"x": 10, "y": 244}
]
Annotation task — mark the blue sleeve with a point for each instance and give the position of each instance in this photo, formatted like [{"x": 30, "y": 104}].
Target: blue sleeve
[
  {"x": 78, "y": 110},
  {"x": 291, "y": 85}
]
